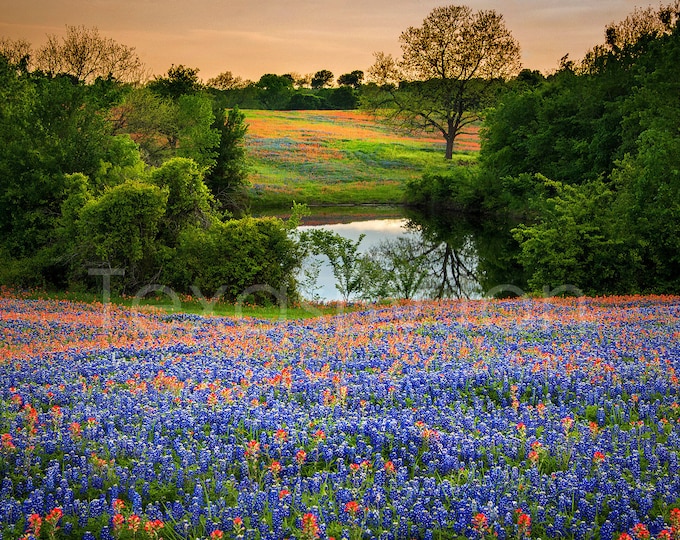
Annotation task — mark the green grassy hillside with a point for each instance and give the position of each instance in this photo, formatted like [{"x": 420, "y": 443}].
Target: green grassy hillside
[{"x": 337, "y": 157}]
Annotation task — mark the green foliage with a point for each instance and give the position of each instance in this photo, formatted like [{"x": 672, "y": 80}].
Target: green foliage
[
  {"x": 189, "y": 204},
  {"x": 349, "y": 267},
  {"x": 121, "y": 161},
  {"x": 457, "y": 187},
  {"x": 197, "y": 138},
  {"x": 165, "y": 128},
  {"x": 150, "y": 119},
  {"x": 572, "y": 243},
  {"x": 275, "y": 91},
  {"x": 228, "y": 178},
  {"x": 78, "y": 194},
  {"x": 564, "y": 128},
  {"x": 119, "y": 229},
  {"x": 302, "y": 101},
  {"x": 353, "y": 79},
  {"x": 179, "y": 81},
  {"x": 322, "y": 78},
  {"x": 48, "y": 128},
  {"x": 104, "y": 175},
  {"x": 605, "y": 133},
  {"x": 400, "y": 268},
  {"x": 649, "y": 210},
  {"x": 343, "y": 98},
  {"x": 251, "y": 257},
  {"x": 450, "y": 68}
]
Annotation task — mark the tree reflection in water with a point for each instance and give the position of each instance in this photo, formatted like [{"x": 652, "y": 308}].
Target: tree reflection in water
[{"x": 435, "y": 255}]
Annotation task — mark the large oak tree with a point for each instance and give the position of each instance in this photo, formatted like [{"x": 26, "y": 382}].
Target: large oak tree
[{"x": 445, "y": 74}]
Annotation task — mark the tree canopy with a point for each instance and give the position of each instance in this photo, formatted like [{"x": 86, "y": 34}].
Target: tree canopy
[
  {"x": 99, "y": 174},
  {"x": 590, "y": 155},
  {"x": 86, "y": 55},
  {"x": 322, "y": 79},
  {"x": 445, "y": 76}
]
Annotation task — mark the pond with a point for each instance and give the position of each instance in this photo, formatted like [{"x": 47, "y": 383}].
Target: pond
[
  {"x": 372, "y": 233},
  {"x": 447, "y": 254}
]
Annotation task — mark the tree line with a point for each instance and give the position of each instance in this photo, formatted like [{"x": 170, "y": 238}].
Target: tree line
[
  {"x": 98, "y": 174},
  {"x": 106, "y": 169},
  {"x": 101, "y": 171},
  {"x": 587, "y": 161}
]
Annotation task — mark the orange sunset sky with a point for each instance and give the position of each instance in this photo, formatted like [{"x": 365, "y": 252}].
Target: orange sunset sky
[{"x": 254, "y": 37}]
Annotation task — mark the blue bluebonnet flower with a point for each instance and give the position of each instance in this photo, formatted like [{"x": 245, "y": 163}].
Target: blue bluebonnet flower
[{"x": 436, "y": 389}]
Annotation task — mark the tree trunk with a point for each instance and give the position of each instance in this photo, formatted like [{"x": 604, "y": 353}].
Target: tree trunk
[
  {"x": 449, "y": 145},
  {"x": 452, "y": 131}
]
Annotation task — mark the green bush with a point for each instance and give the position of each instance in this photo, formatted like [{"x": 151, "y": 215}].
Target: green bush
[
  {"x": 119, "y": 230},
  {"x": 573, "y": 241},
  {"x": 457, "y": 188},
  {"x": 305, "y": 102},
  {"x": 236, "y": 256}
]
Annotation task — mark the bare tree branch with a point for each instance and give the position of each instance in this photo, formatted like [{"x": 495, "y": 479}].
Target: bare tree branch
[{"x": 87, "y": 55}]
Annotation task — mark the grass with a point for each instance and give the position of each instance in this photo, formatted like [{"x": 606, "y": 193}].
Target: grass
[
  {"x": 338, "y": 157},
  {"x": 191, "y": 305}
]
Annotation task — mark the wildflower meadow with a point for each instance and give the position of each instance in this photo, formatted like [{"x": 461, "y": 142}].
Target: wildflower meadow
[
  {"x": 340, "y": 157},
  {"x": 543, "y": 418}
]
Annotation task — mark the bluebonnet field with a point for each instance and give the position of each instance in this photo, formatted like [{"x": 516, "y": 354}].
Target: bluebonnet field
[{"x": 507, "y": 419}]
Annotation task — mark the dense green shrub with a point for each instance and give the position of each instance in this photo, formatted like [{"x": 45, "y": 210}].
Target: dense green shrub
[
  {"x": 458, "y": 188},
  {"x": 605, "y": 133},
  {"x": 120, "y": 229},
  {"x": 251, "y": 257}
]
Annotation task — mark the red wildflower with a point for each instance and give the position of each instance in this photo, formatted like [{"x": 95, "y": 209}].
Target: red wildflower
[
  {"x": 310, "y": 527},
  {"x": 217, "y": 534},
  {"x": 34, "y": 524},
  {"x": 54, "y": 516},
  {"x": 480, "y": 523},
  {"x": 75, "y": 430},
  {"x": 352, "y": 507},
  {"x": 523, "y": 523},
  {"x": 56, "y": 414},
  {"x": 300, "y": 457},
  {"x": 594, "y": 428},
  {"x": 675, "y": 518},
  {"x": 541, "y": 409},
  {"x": 134, "y": 521},
  {"x": 31, "y": 419},
  {"x": 118, "y": 521},
  {"x": 390, "y": 468},
  {"x": 275, "y": 468},
  {"x": 252, "y": 450},
  {"x": 7, "y": 442},
  {"x": 641, "y": 532},
  {"x": 152, "y": 527}
]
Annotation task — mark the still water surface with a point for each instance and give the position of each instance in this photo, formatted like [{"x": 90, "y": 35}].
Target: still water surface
[
  {"x": 474, "y": 256},
  {"x": 374, "y": 231}
]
